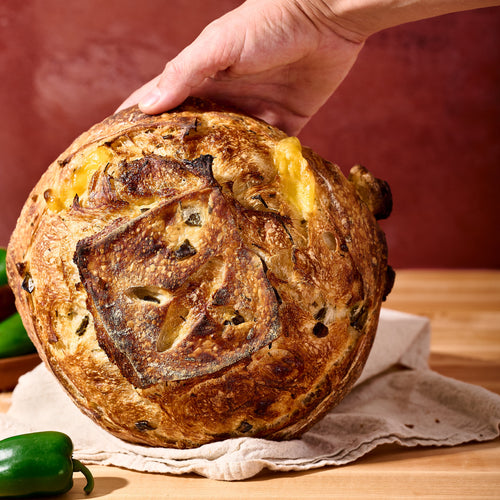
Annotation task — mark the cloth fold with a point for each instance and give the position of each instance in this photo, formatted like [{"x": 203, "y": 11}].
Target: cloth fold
[{"x": 397, "y": 399}]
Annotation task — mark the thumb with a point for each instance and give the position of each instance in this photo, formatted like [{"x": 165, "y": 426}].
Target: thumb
[{"x": 201, "y": 60}]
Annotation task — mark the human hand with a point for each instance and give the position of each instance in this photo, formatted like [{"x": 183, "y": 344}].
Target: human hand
[
  {"x": 280, "y": 60},
  {"x": 277, "y": 60}
]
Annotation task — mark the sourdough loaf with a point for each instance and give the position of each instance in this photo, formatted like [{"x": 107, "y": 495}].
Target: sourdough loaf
[{"x": 198, "y": 275}]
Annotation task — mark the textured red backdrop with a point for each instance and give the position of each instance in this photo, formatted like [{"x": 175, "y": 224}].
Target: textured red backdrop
[{"x": 421, "y": 109}]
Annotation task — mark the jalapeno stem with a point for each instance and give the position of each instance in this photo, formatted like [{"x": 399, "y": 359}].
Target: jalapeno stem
[{"x": 79, "y": 467}]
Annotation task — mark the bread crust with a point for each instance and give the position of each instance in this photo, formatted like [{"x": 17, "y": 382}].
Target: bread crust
[{"x": 180, "y": 298}]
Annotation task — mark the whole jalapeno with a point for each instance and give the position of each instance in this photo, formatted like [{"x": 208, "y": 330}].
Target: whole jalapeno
[
  {"x": 39, "y": 464},
  {"x": 14, "y": 340},
  {"x": 3, "y": 267}
]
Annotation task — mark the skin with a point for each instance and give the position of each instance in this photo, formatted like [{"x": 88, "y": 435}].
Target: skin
[{"x": 281, "y": 60}]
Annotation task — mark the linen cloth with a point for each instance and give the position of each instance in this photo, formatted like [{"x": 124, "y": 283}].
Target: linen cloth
[{"x": 398, "y": 399}]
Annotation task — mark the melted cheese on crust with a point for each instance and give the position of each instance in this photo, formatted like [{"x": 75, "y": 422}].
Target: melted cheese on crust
[
  {"x": 80, "y": 179},
  {"x": 296, "y": 177}
]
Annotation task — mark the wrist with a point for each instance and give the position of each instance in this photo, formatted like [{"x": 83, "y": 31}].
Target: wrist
[
  {"x": 356, "y": 20},
  {"x": 344, "y": 18}
]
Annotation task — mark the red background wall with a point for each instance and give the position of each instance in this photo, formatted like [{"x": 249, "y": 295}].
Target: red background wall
[{"x": 421, "y": 109}]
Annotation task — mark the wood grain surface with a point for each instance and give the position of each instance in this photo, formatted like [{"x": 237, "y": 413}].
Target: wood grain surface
[{"x": 464, "y": 308}]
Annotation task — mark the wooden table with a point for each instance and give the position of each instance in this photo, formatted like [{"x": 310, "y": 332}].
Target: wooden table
[{"x": 464, "y": 308}]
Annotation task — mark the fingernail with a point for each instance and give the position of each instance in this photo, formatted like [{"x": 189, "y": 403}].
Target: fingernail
[{"x": 150, "y": 99}]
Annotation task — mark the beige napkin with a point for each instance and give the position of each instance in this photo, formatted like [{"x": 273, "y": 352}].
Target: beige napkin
[{"x": 398, "y": 399}]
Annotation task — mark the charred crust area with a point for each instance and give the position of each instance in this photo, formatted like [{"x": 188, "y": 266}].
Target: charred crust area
[
  {"x": 64, "y": 161},
  {"x": 244, "y": 427},
  {"x": 202, "y": 166},
  {"x": 139, "y": 177},
  {"x": 21, "y": 268},
  {"x": 358, "y": 316},
  {"x": 390, "y": 278},
  {"x": 375, "y": 192},
  {"x": 152, "y": 177},
  {"x": 222, "y": 296},
  {"x": 185, "y": 250},
  {"x": 144, "y": 425}
]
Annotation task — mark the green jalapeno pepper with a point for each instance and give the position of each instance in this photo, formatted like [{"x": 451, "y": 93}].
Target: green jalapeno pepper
[
  {"x": 3, "y": 267},
  {"x": 39, "y": 464},
  {"x": 14, "y": 340}
]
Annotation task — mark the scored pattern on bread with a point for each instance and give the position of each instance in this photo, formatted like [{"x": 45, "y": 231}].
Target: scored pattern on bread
[{"x": 206, "y": 304}]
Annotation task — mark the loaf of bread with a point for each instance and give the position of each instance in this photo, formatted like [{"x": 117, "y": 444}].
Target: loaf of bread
[{"x": 199, "y": 275}]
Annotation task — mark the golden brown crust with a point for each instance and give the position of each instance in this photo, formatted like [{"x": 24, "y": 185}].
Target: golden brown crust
[
  {"x": 181, "y": 297},
  {"x": 376, "y": 193}
]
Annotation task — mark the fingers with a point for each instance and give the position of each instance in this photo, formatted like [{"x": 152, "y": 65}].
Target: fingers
[
  {"x": 213, "y": 51},
  {"x": 171, "y": 87},
  {"x": 139, "y": 94}
]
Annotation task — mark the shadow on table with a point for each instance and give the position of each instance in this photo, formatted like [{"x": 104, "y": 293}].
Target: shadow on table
[{"x": 104, "y": 485}]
